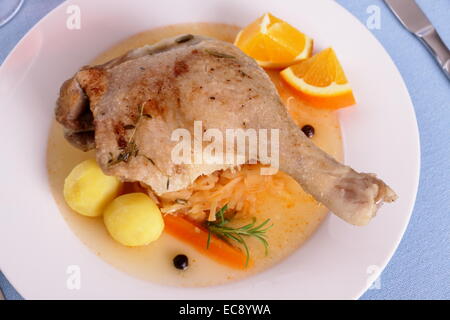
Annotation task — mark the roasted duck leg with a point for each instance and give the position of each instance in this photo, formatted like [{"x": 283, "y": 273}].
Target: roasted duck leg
[{"x": 128, "y": 108}]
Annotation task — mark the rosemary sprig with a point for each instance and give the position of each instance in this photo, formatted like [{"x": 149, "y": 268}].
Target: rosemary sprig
[
  {"x": 219, "y": 54},
  {"x": 220, "y": 229}
]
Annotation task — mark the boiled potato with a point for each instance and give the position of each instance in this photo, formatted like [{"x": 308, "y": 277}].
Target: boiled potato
[
  {"x": 133, "y": 219},
  {"x": 88, "y": 190}
]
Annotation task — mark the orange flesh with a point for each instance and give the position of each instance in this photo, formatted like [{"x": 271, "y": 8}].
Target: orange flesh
[{"x": 321, "y": 70}]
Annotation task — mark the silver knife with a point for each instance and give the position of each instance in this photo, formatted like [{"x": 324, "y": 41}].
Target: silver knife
[{"x": 413, "y": 19}]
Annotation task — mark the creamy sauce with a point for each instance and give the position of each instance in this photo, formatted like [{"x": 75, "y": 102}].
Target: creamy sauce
[{"x": 295, "y": 214}]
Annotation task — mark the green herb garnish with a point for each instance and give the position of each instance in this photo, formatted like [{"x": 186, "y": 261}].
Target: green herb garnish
[
  {"x": 220, "y": 229},
  {"x": 219, "y": 54}
]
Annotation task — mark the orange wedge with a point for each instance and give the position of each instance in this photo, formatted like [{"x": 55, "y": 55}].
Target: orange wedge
[
  {"x": 274, "y": 43},
  {"x": 320, "y": 80}
]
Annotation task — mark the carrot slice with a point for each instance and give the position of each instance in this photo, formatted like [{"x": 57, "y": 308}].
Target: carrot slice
[{"x": 197, "y": 236}]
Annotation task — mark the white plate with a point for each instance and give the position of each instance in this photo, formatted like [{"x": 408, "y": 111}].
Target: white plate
[{"x": 380, "y": 135}]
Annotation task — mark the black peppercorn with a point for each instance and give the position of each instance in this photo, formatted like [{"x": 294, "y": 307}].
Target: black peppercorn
[
  {"x": 181, "y": 262},
  {"x": 308, "y": 130}
]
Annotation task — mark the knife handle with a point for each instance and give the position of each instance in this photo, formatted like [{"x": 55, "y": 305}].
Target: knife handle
[{"x": 433, "y": 42}]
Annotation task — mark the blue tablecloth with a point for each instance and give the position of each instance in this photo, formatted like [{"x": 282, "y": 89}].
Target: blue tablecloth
[{"x": 420, "y": 268}]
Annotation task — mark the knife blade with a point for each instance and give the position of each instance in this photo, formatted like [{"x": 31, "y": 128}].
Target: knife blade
[{"x": 416, "y": 22}]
